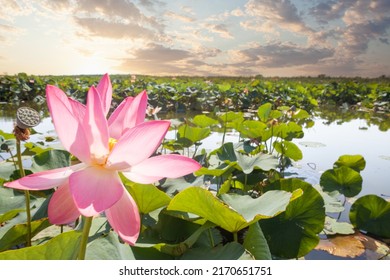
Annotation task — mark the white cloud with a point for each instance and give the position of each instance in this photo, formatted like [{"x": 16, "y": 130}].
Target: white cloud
[
  {"x": 220, "y": 29},
  {"x": 279, "y": 13},
  {"x": 179, "y": 17}
]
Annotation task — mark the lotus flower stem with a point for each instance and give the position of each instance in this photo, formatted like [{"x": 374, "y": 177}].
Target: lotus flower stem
[
  {"x": 84, "y": 238},
  {"x": 235, "y": 236},
  {"x": 211, "y": 238},
  {"x": 26, "y": 193},
  {"x": 224, "y": 129}
]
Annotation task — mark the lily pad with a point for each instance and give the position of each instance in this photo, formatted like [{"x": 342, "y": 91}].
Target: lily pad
[
  {"x": 343, "y": 179},
  {"x": 371, "y": 213},
  {"x": 332, "y": 226},
  {"x": 384, "y": 157},
  {"x": 342, "y": 246},
  {"x": 356, "y": 162},
  {"x": 312, "y": 144}
]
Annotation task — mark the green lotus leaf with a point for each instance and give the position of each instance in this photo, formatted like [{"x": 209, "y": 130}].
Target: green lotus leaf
[
  {"x": 288, "y": 149},
  {"x": 224, "y": 87},
  {"x": 288, "y": 131},
  {"x": 203, "y": 203},
  {"x": 264, "y": 111},
  {"x": 371, "y": 213},
  {"x": 223, "y": 169},
  {"x": 11, "y": 199},
  {"x": 225, "y": 153},
  {"x": 332, "y": 226},
  {"x": 192, "y": 134},
  {"x": 50, "y": 159},
  {"x": 312, "y": 144},
  {"x": 342, "y": 179},
  {"x": 18, "y": 233},
  {"x": 252, "y": 129},
  {"x": 260, "y": 161},
  {"x": 62, "y": 247},
  {"x": 300, "y": 114},
  {"x": 204, "y": 121},
  {"x": 147, "y": 197},
  {"x": 10, "y": 214},
  {"x": 230, "y": 251},
  {"x": 356, "y": 162},
  {"x": 231, "y": 119},
  {"x": 108, "y": 247},
  {"x": 256, "y": 243},
  {"x": 294, "y": 233}
]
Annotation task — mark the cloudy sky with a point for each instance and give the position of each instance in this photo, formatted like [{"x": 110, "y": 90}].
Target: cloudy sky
[{"x": 202, "y": 37}]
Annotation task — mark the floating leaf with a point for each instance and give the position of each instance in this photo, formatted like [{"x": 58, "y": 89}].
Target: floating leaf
[
  {"x": 342, "y": 246},
  {"x": 372, "y": 214},
  {"x": 332, "y": 226},
  {"x": 294, "y": 233},
  {"x": 354, "y": 245},
  {"x": 356, "y": 162},
  {"x": 332, "y": 203},
  {"x": 62, "y": 247},
  {"x": 342, "y": 179},
  {"x": 384, "y": 157},
  {"x": 312, "y": 144}
]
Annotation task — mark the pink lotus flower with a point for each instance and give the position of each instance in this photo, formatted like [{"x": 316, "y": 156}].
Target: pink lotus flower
[{"x": 123, "y": 143}]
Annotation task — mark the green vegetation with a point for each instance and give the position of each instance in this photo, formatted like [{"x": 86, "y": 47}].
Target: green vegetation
[
  {"x": 213, "y": 93},
  {"x": 240, "y": 205}
]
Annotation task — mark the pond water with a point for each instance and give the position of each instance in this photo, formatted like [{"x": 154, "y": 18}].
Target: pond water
[{"x": 321, "y": 146}]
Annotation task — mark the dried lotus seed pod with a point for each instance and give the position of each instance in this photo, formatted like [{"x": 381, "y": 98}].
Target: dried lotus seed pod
[{"x": 27, "y": 117}]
